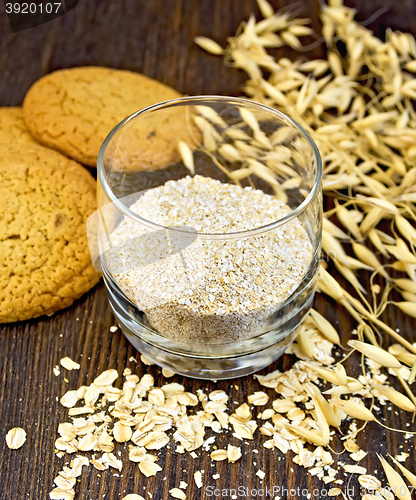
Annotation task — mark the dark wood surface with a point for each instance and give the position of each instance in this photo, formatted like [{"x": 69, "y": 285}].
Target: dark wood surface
[{"x": 154, "y": 37}]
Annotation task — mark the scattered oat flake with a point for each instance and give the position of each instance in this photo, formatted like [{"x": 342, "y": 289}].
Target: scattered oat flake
[
  {"x": 233, "y": 453},
  {"x": 122, "y": 433},
  {"x": 106, "y": 378},
  {"x": 58, "y": 494},
  {"x": 267, "y": 414},
  {"x": 167, "y": 373},
  {"x": 183, "y": 485},
  {"x": 351, "y": 446},
  {"x": 369, "y": 482},
  {"x": 177, "y": 493},
  {"x": 260, "y": 474},
  {"x": 354, "y": 469},
  {"x": 99, "y": 465},
  {"x": 113, "y": 329},
  {"x": 219, "y": 455},
  {"x": 198, "y": 478},
  {"x": 16, "y": 438},
  {"x": 56, "y": 371},
  {"x": 145, "y": 360},
  {"x": 68, "y": 364},
  {"x": 258, "y": 398},
  {"x": 402, "y": 457},
  {"x": 358, "y": 455},
  {"x": 149, "y": 468},
  {"x": 133, "y": 496},
  {"x": 112, "y": 461}
]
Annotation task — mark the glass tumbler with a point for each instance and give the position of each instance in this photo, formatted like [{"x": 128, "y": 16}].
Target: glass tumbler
[{"x": 208, "y": 232}]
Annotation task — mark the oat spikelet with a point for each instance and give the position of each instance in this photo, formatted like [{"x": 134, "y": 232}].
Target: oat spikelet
[
  {"x": 353, "y": 410},
  {"x": 395, "y": 397},
  {"x": 209, "y": 45},
  {"x": 333, "y": 247},
  {"x": 406, "y": 229},
  {"x": 348, "y": 222},
  {"x": 408, "y": 308},
  {"x": 249, "y": 118},
  {"x": 408, "y": 475},
  {"x": 304, "y": 342},
  {"x": 323, "y": 373},
  {"x": 325, "y": 327},
  {"x": 412, "y": 375},
  {"x": 326, "y": 408},
  {"x": 328, "y": 285},
  {"x": 265, "y": 8},
  {"x": 402, "y": 354},
  {"x": 211, "y": 115},
  {"x": 395, "y": 481},
  {"x": 406, "y": 284},
  {"x": 313, "y": 437},
  {"x": 369, "y": 258},
  {"x": 383, "y": 204},
  {"x": 377, "y": 354},
  {"x": 229, "y": 153},
  {"x": 187, "y": 156},
  {"x": 401, "y": 252}
]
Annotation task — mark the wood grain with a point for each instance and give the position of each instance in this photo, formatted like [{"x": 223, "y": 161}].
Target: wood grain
[{"x": 154, "y": 37}]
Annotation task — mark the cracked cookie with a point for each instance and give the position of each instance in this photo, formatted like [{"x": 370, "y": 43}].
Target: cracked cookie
[
  {"x": 73, "y": 110},
  {"x": 13, "y": 127},
  {"x": 45, "y": 200}
]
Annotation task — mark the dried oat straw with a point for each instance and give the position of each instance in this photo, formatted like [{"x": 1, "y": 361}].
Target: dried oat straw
[{"x": 216, "y": 291}]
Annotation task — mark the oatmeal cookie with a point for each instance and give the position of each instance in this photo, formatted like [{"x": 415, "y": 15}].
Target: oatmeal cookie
[
  {"x": 73, "y": 110},
  {"x": 45, "y": 200},
  {"x": 13, "y": 127}
]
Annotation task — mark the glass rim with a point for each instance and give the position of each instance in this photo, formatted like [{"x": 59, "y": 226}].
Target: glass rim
[{"x": 212, "y": 236}]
